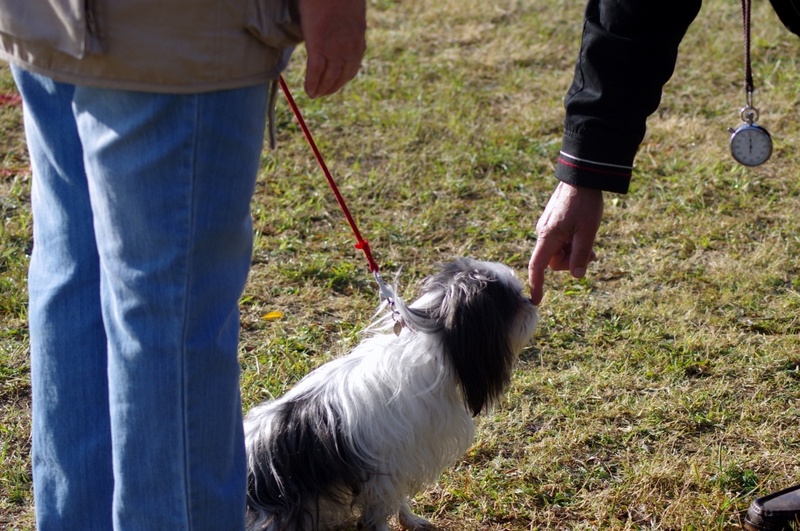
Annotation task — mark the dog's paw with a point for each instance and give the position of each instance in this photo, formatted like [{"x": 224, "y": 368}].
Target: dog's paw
[
  {"x": 412, "y": 522},
  {"x": 379, "y": 526}
]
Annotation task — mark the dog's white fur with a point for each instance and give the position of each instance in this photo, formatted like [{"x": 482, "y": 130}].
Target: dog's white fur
[{"x": 365, "y": 432}]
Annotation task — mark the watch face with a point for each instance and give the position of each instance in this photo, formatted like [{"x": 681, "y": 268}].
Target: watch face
[{"x": 751, "y": 145}]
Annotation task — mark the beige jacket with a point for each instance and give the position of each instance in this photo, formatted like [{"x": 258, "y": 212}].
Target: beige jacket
[{"x": 178, "y": 46}]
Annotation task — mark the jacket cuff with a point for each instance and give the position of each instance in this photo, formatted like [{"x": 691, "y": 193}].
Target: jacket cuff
[{"x": 593, "y": 165}]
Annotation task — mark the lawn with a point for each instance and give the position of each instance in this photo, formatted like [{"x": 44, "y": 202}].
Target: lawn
[{"x": 661, "y": 392}]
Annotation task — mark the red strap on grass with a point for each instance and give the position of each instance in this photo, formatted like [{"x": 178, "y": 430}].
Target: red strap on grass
[{"x": 361, "y": 244}]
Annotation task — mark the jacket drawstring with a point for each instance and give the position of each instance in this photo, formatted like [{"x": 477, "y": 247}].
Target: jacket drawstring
[{"x": 273, "y": 96}]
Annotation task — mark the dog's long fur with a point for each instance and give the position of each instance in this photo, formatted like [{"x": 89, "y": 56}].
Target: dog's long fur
[{"x": 365, "y": 432}]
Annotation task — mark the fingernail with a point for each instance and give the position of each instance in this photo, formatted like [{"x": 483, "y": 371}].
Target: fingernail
[{"x": 579, "y": 272}]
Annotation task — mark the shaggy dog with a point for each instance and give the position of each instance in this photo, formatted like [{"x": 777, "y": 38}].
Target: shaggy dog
[{"x": 364, "y": 433}]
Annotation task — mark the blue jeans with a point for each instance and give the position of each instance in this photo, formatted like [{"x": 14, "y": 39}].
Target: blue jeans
[{"x": 142, "y": 245}]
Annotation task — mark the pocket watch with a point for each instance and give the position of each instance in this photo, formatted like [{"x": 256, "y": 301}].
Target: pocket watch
[{"x": 751, "y": 144}]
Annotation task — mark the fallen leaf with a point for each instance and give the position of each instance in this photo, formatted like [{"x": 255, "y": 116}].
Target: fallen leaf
[{"x": 271, "y": 316}]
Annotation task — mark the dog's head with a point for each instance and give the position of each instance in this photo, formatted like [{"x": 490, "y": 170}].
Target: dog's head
[{"x": 484, "y": 321}]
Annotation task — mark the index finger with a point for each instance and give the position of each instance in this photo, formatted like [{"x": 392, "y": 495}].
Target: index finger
[
  {"x": 327, "y": 75},
  {"x": 543, "y": 253}
]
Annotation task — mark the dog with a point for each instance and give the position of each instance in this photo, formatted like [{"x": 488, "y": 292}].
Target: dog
[{"x": 364, "y": 433}]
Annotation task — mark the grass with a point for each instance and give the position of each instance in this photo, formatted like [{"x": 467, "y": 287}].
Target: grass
[{"x": 662, "y": 391}]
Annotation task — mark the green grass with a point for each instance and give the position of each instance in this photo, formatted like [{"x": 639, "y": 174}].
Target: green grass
[{"x": 662, "y": 391}]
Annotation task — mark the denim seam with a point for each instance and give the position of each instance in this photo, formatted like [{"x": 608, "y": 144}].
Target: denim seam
[{"x": 191, "y": 227}]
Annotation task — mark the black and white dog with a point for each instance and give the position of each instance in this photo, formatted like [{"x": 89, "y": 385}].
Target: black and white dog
[{"x": 364, "y": 433}]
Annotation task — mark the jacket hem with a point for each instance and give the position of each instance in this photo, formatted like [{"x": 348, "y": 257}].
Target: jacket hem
[{"x": 191, "y": 87}]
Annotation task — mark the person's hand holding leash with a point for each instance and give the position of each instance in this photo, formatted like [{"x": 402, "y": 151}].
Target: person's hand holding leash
[{"x": 335, "y": 37}]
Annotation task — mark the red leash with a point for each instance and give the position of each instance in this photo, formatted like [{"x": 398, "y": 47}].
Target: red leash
[{"x": 361, "y": 243}]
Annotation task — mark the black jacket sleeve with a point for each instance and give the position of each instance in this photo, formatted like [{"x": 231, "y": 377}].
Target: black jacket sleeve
[
  {"x": 628, "y": 52},
  {"x": 789, "y": 13}
]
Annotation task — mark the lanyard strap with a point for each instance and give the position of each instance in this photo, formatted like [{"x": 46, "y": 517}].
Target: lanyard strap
[{"x": 748, "y": 70}]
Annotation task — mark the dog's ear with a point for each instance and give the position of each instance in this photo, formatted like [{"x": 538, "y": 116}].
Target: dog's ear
[{"x": 477, "y": 313}]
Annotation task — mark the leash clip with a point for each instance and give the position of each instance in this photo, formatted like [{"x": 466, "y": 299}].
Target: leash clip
[{"x": 389, "y": 295}]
